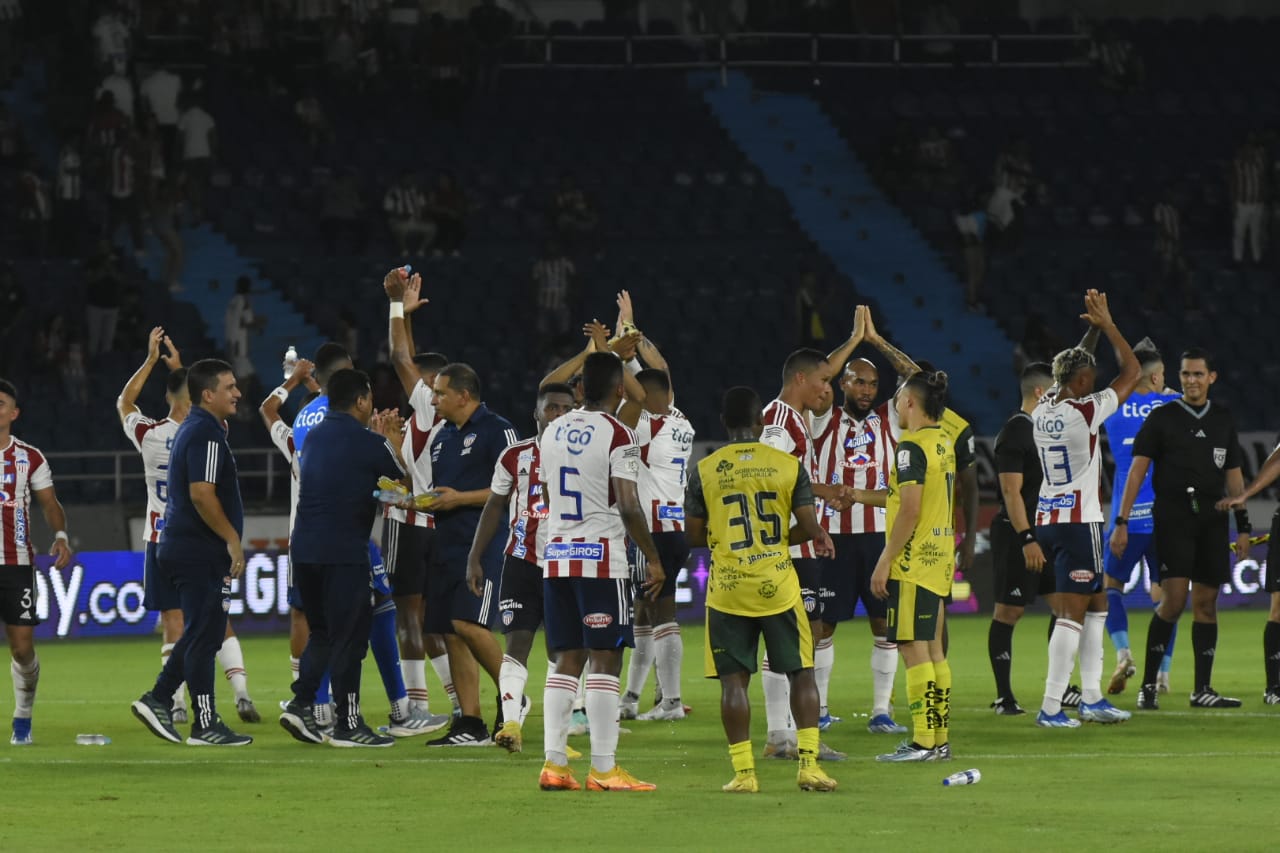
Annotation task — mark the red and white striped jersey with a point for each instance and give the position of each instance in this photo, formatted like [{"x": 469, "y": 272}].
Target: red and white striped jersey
[
  {"x": 581, "y": 453},
  {"x": 517, "y": 474},
  {"x": 282, "y": 438},
  {"x": 786, "y": 430},
  {"x": 416, "y": 450},
  {"x": 855, "y": 453},
  {"x": 665, "y": 444},
  {"x": 1066, "y": 436},
  {"x": 23, "y": 470},
  {"x": 153, "y": 439}
]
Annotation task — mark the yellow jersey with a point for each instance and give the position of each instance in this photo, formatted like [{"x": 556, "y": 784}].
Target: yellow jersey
[
  {"x": 927, "y": 458},
  {"x": 745, "y": 492},
  {"x": 962, "y": 439}
]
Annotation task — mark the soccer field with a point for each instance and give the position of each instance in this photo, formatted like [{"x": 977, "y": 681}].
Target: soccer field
[{"x": 1175, "y": 779}]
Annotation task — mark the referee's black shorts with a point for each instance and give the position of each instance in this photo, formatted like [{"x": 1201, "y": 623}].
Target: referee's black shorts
[
  {"x": 406, "y": 552},
  {"x": 1193, "y": 546},
  {"x": 1273, "y": 545},
  {"x": 1015, "y": 584}
]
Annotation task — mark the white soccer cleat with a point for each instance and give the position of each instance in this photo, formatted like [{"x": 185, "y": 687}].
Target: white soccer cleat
[{"x": 664, "y": 711}]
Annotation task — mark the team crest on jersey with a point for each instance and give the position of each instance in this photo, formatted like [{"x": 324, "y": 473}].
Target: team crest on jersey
[
  {"x": 810, "y": 603},
  {"x": 508, "y": 617},
  {"x": 1219, "y": 456},
  {"x": 469, "y": 440},
  {"x": 768, "y": 589},
  {"x": 526, "y": 456}
]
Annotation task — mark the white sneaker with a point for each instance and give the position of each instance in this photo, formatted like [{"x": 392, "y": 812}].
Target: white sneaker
[
  {"x": 673, "y": 710},
  {"x": 628, "y": 708}
]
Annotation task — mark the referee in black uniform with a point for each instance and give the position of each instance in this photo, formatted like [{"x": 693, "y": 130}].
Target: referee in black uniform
[
  {"x": 1196, "y": 451},
  {"x": 200, "y": 552},
  {"x": 330, "y": 552}
]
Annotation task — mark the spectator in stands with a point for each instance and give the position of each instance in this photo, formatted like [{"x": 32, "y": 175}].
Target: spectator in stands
[
  {"x": 51, "y": 344},
  {"x": 102, "y": 299},
  {"x": 573, "y": 215},
  {"x": 447, "y": 207},
  {"x": 121, "y": 88},
  {"x": 933, "y": 152},
  {"x": 403, "y": 19},
  {"x": 11, "y": 143},
  {"x": 808, "y": 315},
  {"x": 197, "y": 137},
  {"x": 972, "y": 227},
  {"x": 491, "y": 29},
  {"x": 405, "y": 206},
  {"x": 1119, "y": 65},
  {"x": 113, "y": 39},
  {"x": 107, "y": 129},
  {"x": 1013, "y": 177},
  {"x": 1249, "y": 194},
  {"x": 1038, "y": 344},
  {"x": 445, "y": 58},
  {"x": 75, "y": 383},
  {"x": 1171, "y": 261},
  {"x": 237, "y": 323},
  {"x": 314, "y": 120},
  {"x": 342, "y": 212},
  {"x": 152, "y": 160},
  {"x": 124, "y": 199},
  {"x": 552, "y": 281},
  {"x": 159, "y": 93},
  {"x": 342, "y": 48},
  {"x": 164, "y": 224},
  {"x": 348, "y": 331},
  {"x": 35, "y": 208},
  {"x": 68, "y": 205}
]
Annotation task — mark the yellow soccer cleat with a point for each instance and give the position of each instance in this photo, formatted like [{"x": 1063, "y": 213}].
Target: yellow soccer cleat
[
  {"x": 815, "y": 779},
  {"x": 557, "y": 778},
  {"x": 616, "y": 779},
  {"x": 742, "y": 783},
  {"x": 509, "y": 736},
  {"x": 571, "y": 753}
]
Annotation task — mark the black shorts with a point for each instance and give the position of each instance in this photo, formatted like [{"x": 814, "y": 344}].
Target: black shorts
[
  {"x": 1015, "y": 584},
  {"x": 846, "y": 577},
  {"x": 673, "y": 551},
  {"x": 733, "y": 642},
  {"x": 809, "y": 570},
  {"x": 1273, "y": 577},
  {"x": 520, "y": 595},
  {"x": 158, "y": 591},
  {"x": 1073, "y": 553},
  {"x": 406, "y": 551},
  {"x": 912, "y": 613},
  {"x": 589, "y": 613},
  {"x": 448, "y": 598},
  {"x": 18, "y": 595},
  {"x": 1193, "y": 546}
]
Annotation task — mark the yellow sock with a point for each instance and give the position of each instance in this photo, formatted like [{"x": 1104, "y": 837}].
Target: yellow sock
[
  {"x": 807, "y": 746},
  {"x": 942, "y": 676},
  {"x": 744, "y": 761},
  {"x": 920, "y": 681}
]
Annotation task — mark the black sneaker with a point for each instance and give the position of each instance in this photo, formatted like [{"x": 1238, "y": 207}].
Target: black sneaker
[
  {"x": 1071, "y": 697},
  {"x": 1148, "y": 698},
  {"x": 362, "y": 735},
  {"x": 299, "y": 721},
  {"x": 1209, "y": 698},
  {"x": 1007, "y": 707},
  {"x": 217, "y": 734},
  {"x": 154, "y": 714},
  {"x": 466, "y": 731}
]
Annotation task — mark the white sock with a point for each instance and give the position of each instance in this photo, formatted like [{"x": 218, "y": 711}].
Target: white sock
[
  {"x": 668, "y": 649},
  {"x": 414, "y": 673},
  {"x": 884, "y": 668},
  {"x": 323, "y": 713},
  {"x": 1063, "y": 645},
  {"x": 777, "y": 701},
  {"x": 641, "y": 660},
  {"x": 580, "y": 695},
  {"x": 179, "y": 695},
  {"x": 824, "y": 659},
  {"x": 294, "y": 665},
  {"x": 25, "y": 679},
  {"x": 557, "y": 707},
  {"x": 1091, "y": 654},
  {"x": 602, "y": 716},
  {"x": 400, "y": 708},
  {"x": 512, "y": 678},
  {"x": 441, "y": 665},
  {"x": 231, "y": 659}
]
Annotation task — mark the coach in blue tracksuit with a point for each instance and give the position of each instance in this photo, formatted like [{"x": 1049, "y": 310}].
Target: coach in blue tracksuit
[
  {"x": 200, "y": 552},
  {"x": 330, "y": 551}
]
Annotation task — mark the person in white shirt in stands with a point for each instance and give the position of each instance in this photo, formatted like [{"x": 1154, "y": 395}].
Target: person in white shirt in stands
[
  {"x": 405, "y": 206},
  {"x": 198, "y": 141},
  {"x": 552, "y": 278},
  {"x": 160, "y": 92},
  {"x": 1249, "y": 199},
  {"x": 113, "y": 39},
  {"x": 120, "y": 86},
  {"x": 239, "y": 320}
]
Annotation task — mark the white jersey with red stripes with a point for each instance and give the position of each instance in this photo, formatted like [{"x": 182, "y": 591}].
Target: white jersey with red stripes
[
  {"x": 855, "y": 453},
  {"x": 416, "y": 450},
  {"x": 787, "y": 430},
  {"x": 581, "y": 453},
  {"x": 1066, "y": 434},
  {"x": 23, "y": 470},
  {"x": 666, "y": 442},
  {"x": 517, "y": 474},
  {"x": 153, "y": 439},
  {"x": 282, "y": 438}
]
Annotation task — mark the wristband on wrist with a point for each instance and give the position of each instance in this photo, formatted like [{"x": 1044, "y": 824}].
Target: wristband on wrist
[
  {"x": 397, "y": 310},
  {"x": 1242, "y": 520},
  {"x": 1121, "y": 521},
  {"x": 1028, "y": 536},
  {"x": 280, "y": 393},
  {"x": 61, "y": 534}
]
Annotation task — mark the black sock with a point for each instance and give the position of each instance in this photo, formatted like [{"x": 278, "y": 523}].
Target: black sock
[
  {"x": 1053, "y": 620},
  {"x": 1271, "y": 652},
  {"x": 1204, "y": 640},
  {"x": 1000, "y": 650},
  {"x": 1157, "y": 641}
]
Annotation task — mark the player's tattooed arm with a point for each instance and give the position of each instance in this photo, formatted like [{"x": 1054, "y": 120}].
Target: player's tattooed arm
[{"x": 898, "y": 360}]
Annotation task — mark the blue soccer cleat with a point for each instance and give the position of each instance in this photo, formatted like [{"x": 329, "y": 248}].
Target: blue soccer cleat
[
  {"x": 1102, "y": 711},
  {"x": 21, "y": 732},
  {"x": 826, "y": 721},
  {"x": 883, "y": 724},
  {"x": 1057, "y": 721}
]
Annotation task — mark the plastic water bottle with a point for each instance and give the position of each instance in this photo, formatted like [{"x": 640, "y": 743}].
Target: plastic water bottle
[
  {"x": 290, "y": 361},
  {"x": 1191, "y": 495},
  {"x": 964, "y": 777},
  {"x": 92, "y": 740}
]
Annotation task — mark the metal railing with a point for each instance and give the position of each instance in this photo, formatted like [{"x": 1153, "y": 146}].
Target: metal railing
[{"x": 253, "y": 463}]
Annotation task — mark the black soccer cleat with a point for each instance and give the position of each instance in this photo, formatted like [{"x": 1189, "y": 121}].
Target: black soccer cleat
[
  {"x": 1007, "y": 706},
  {"x": 1148, "y": 698},
  {"x": 465, "y": 731},
  {"x": 1209, "y": 698},
  {"x": 1071, "y": 697}
]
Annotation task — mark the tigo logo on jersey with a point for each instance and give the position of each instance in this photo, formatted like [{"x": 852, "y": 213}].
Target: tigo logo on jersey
[
  {"x": 593, "y": 551},
  {"x": 311, "y": 418},
  {"x": 576, "y": 437},
  {"x": 597, "y": 620}
]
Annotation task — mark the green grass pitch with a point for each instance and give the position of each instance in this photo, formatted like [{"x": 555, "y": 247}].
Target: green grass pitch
[{"x": 1175, "y": 779}]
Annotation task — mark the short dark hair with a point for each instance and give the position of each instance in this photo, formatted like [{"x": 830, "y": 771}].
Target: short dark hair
[
  {"x": 328, "y": 358},
  {"x": 556, "y": 388},
  {"x": 462, "y": 377},
  {"x": 7, "y": 387},
  {"x": 176, "y": 382},
  {"x": 741, "y": 408},
  {"x": 653, "y": 379},
  {"x": 1037, "y": 374},
  {"x": 601, "y": 373},
  {"x": 431, "y": 361},
  {"x": 203, "y": 376},
  {"x": 931, "y": 390},
  {"x": 346, "y": 386},
  {"x": 1194, "y": 353},
  {"x": 801, "y": 361},
  {"x": 1147, "y": 352}
]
